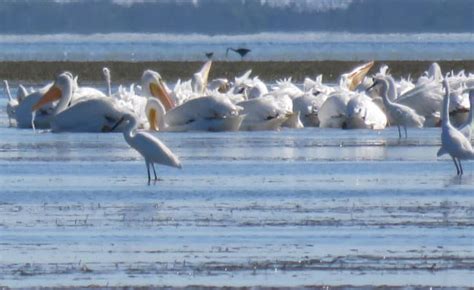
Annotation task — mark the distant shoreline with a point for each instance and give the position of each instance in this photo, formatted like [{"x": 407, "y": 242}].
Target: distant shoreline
[{"x": 38, "y": 71}]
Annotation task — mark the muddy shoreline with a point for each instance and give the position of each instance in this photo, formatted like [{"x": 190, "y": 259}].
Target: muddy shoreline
[{"x": 35, "y": 71}]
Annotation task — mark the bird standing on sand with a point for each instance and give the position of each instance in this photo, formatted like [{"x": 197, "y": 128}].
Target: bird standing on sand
[
  {"x": 241, "y": 51},
  {"x": 453, "y": 142},
  {"x": 150, "y": 147}
]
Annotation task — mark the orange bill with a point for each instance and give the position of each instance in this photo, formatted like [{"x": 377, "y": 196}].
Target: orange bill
[
  {"x": 53, "y": 94},
  {"x": 357, "y": 75},
  {"x": 153, "y": 120},
  {"x": 205, "y": 72},
  {"x": 159, "y": 91}
]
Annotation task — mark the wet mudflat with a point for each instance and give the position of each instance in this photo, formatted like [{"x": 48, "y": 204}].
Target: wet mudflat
[{"x": 288, "y": 208}]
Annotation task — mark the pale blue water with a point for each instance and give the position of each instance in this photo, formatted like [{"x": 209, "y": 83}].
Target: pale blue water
[
  {"x": 265, "y": 46},
  {"x": 288, "y": 208}
]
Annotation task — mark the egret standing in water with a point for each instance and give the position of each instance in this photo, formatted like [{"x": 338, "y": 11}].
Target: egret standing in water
[
  {"x": 453, "y": 142},
  {"x": 150, "y": 147},
  {"x": 241, "y": 51},
  {"x": 401, "y": 114}
]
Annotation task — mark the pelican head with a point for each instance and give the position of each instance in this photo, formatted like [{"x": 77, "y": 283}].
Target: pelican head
[
  {"x": 153, "y": 85},
  {"x": 155, "y": 112},
  {"x": 352, "y": 79},
  {"x": 62, "y": 85},
  {"x": 434, "y": 72},
  {"x": 200, "y": 79}
]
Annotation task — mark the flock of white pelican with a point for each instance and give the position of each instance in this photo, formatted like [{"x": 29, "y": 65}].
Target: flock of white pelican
[{"x": 356, "y": 100}]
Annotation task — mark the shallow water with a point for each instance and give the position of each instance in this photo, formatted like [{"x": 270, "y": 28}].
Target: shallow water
[
  {"x": 270, "y": 46},
  {"x": 288, "y": 208}
]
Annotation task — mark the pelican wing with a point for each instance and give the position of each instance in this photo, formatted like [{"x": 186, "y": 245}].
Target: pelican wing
[
  {"x": 91, "y": 115},
  {"x": 209, "y": 107}
]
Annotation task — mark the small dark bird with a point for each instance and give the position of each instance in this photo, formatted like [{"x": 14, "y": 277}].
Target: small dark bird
[
  {"x": 209, "y": 55},
  {"x": 241, "y": 51}
]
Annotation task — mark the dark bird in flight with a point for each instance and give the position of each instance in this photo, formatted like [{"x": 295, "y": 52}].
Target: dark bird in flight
[
  {"x": 241, "y": 51},
  {"x": 209, "y": 55}
]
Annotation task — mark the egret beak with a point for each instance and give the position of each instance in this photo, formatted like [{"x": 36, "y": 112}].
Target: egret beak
[
  {"x": 158, "y": 91},
  {"x": 356, "y": 76},
  {"x": 53, "y": 94},
  {"x": 153, "y": 120},
  {"x": 120, "y": 121}
]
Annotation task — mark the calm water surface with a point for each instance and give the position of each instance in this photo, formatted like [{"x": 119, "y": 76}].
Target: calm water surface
[{"x": 288, "y": 208}]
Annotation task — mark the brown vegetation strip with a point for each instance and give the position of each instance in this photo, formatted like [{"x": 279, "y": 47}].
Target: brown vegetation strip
[{"x": 33, "y": 71}]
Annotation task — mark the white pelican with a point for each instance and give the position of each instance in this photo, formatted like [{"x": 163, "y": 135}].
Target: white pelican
[
  {"x": 363, "y": 113},
  {"x": 91, "y": 114},
  {"x": 209, "y": 113},
  {"x": 21, "y": 93},
  {"x": 286, "y": 87},
  {"x": 264, "y": 113},
  {"x": 332, "y": 113},
  {"x": 11, "y": 105},
  {"x": 108, "y": 80},
  {"x": 81, "y": 93},
  {"x": 317, "y": 87},
  {"x": 308, "y": 106},
  {"x": 221, "y": 85},
  {"x": 458, "y": 105},
  {"x": 154, "y": 86},
  {"x": 354, "y": 78},
  {"x": 466, "y": 128},
  {"x": 453, "y": 142},
  {"x": 23, "y": 115},
  {"x": 199, "y": 79},
  {"x": 402, "y": 115},
  {"x": 150, "y": 147},
  {"x": 249, "y": 88},
  {"x": 432, "y": 74},
  {"x": 206, "y": 113}
]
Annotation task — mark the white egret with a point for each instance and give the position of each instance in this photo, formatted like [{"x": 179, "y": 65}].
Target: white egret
[
  {"x": 453, "y": 142},
  {"x": 402, "y": 115},
  {"x": 150, "y": 147}
]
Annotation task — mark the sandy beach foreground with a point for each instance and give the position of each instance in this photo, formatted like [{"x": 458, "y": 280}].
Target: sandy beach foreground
[{"x": 32, "y": 71}]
